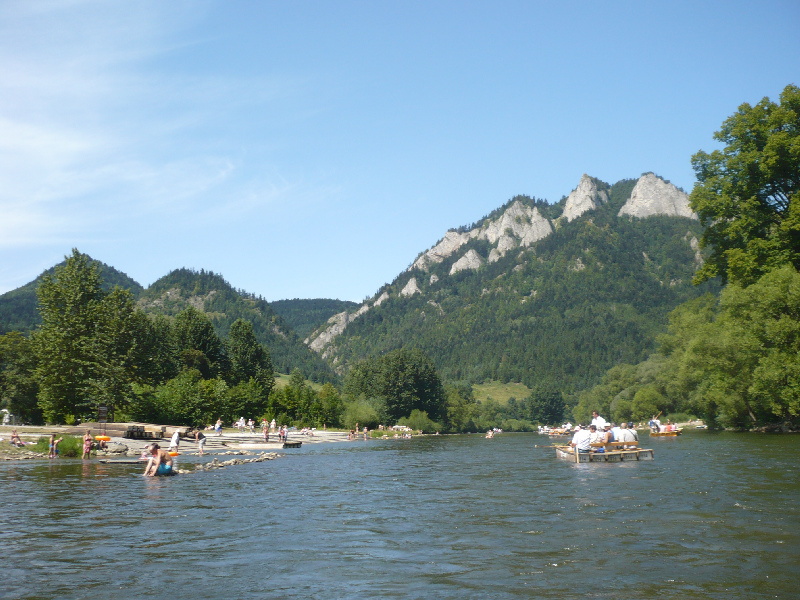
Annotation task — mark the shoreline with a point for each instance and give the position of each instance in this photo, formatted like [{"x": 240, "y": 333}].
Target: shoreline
[{"x": 232, "y": 440}]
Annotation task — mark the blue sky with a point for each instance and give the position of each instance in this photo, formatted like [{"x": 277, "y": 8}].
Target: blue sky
[{"x": 313, "y": 149}]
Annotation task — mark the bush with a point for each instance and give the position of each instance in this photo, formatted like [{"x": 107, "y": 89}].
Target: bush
[
  {"x": 362, "y": 412},
  {"x": 418, "y": 420},
  {"x": 680, "y": 417},
  {"x": 70, "y": 446}
]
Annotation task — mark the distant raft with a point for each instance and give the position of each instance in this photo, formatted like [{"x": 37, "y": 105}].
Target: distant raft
[
  {"x": 612, "y": 452},
  {"x": 673, "y": 433}
]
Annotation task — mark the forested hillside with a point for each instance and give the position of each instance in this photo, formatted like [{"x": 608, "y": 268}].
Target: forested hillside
[
  {"x": 304, "y": 316},
  {"x": 562, "y": 310},
  {"x": 18, "y": 310},
  {"x": 211, "y": 294}
]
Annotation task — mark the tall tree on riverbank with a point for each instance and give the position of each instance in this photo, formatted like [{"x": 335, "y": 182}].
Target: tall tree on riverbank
[
  {"x": 404, "y": 380},
  {"x": 745, "y": 195},
  {"x": 85, "y": 345},
  {"x": 18, "y": 387}
]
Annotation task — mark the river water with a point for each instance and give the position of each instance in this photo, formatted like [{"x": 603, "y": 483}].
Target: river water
[{"x": 713, "y": 516}]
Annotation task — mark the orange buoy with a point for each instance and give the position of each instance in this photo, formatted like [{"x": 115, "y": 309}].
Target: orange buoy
[
  {"x": 102, "y": 438},
  {"x": 173, "y": 453}
]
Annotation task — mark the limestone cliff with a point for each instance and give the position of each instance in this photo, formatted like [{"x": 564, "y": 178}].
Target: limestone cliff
[
  {"x": 517, "y": 225},
  {"x": 584, "y": 198},
  {"x": 471, "y": 260},
  {"x": 654, "y": 196}
]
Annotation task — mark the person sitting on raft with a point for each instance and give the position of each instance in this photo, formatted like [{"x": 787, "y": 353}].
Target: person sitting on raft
[
  {"x": 580, "y": 441},
  {"x": 160, "y": 464}
]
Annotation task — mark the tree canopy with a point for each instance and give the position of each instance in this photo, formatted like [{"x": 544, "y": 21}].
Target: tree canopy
[
  {"x": 404, "y": 380},
  {"x": 744, "y": 192}
]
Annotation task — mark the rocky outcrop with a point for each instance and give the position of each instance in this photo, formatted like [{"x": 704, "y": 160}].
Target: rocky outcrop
[
  {"x": 522, "y": 222},
  {"x": 654, "y": 196},
  {"x": 410, "y": 288},
  {"x": 452, "y": 241},
  {"x": 584, "y": 198},
  {"x": 504, "y": 244},
  {"x": 471, "y": 260},
  {"x": 383, "y": 298},
  {"x": 519, "y": 225}
]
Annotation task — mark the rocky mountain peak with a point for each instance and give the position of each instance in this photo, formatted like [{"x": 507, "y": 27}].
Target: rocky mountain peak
[
  {"x": 654, "y": 196},
  {"x": 584, "y": 198}
]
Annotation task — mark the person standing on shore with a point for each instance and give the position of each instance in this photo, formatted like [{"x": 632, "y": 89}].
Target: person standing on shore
[
  {"x": 175, "y": 441},
  {"x": 265, "y": 430},
  {"x": 200, "y": 439},
  {"x": 87, "y": 445},
  {"x": 218, "y": 427},
  {"x": 52, "y": 453}
]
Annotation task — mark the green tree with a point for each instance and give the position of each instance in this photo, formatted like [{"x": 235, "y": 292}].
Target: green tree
[
  {"x": 546, "y": 404},
  {"x": 744, "y": 193},
  {"x": 329, "y": 408},
  {"x": 194, "y": 333},
  {"x": 18, "y": 387},
  {"x": 248, "y": 358},
  {"x": 747, "y": 361},
  {"x": 156, "y": 359},
  {"x": 67, "y": 365},
  {"x": 403, "y": 379},
  {"x": 460, "y": 407}
]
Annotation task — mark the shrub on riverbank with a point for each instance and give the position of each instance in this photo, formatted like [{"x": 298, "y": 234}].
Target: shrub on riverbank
[{"x": 70, "y": 446}]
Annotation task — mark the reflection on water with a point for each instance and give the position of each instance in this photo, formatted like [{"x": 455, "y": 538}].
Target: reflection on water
[{"x": 713, "y": 516}]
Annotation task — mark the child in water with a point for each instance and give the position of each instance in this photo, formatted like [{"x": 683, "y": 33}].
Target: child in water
[{"x": 54, "y": 446}]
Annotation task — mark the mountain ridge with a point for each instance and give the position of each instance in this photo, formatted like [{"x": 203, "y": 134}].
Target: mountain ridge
[{"x": 518, "y": 223}]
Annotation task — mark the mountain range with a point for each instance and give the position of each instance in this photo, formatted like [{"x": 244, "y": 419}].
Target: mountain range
[
  {"x": 534, "y": 292},
  {"x": 537, "y": 293}
]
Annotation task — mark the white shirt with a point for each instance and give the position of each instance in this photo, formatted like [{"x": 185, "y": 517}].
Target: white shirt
[
  {"x": 599, "y": 422},
  {"x": 581, "y": 439}
]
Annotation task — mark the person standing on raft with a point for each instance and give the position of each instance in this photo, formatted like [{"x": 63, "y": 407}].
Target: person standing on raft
[{"x": 160, "y": 464}]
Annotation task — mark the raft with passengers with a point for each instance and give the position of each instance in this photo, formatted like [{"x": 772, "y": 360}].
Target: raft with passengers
[{"x": 601, "y": 442}]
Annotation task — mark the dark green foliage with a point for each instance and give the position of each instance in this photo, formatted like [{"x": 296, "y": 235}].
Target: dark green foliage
[
  {"x": 299, "y": 404},
  {"x": 305, "y": 316},
  {"x": 209, "y": 293},
  {"x": 745, "y": 194},
  {"x": 18, "y": 387},
  {"x": 545, "y": 405},
  {"x": 403, "y": 379},
  {"x": 248, "y": 358},
  {"x": 198, "y": 344},
  {"x": 86, "y": 342},
  {"x": 18, "y": 308}
]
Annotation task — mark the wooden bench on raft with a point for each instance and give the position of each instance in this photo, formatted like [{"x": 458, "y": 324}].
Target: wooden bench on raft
[{"x": 615, "y": 446}]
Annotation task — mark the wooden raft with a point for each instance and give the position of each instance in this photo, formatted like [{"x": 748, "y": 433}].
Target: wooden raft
[{"x": 614, "y": 452}]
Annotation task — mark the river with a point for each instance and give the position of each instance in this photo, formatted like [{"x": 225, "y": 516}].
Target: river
[{"x": 715, "y": 515}]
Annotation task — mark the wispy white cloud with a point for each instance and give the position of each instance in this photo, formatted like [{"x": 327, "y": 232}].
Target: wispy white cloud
[{"x": 92, "y": 135}]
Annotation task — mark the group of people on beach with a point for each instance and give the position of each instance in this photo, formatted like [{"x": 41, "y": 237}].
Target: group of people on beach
[
  {"x": 601, "y": 431},
  {"x": 354, "y": 434}
]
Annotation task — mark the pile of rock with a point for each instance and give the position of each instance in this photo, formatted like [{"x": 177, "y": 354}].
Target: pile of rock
[{"x": 216, "y": 464}]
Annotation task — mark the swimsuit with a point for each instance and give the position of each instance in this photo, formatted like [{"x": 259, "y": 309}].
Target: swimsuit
[{"x": 164, "y": 469}]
